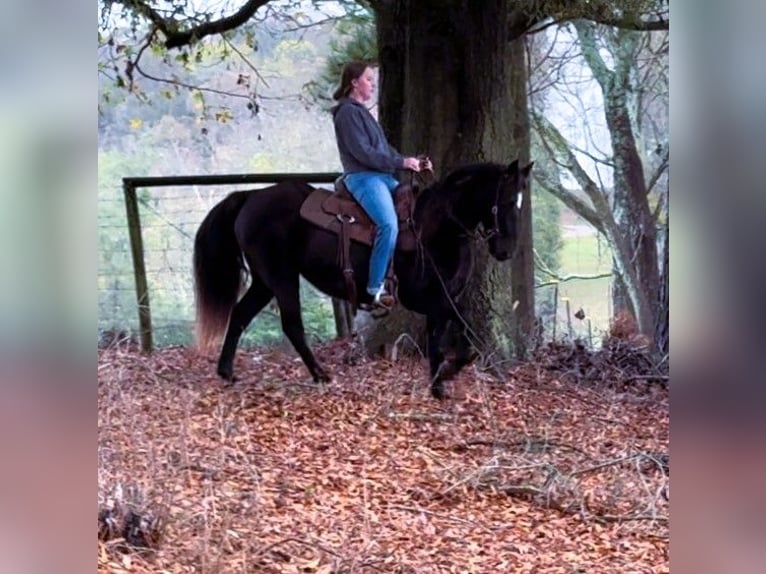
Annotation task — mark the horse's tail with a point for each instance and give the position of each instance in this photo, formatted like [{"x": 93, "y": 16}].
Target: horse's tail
[{"x": 218, "y": 270}]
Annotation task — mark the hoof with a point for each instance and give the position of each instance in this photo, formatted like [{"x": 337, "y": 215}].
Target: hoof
[
  {"x": 322, "y": 377},
  {"x": 447, "y": 370},
  {"x": 227, "y": 375},
  {"x": 437, "y": 392},
  {"x": 469, "y": 358}
]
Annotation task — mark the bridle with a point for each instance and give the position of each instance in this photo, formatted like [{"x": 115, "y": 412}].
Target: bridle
[
  {"x": 480, "y": 234},
  {"x": 487, "y": 234}
]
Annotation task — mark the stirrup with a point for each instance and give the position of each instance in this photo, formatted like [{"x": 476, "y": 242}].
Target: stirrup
[
  {"x": 384, "y": 300},
  {"x": 381, "y": 305}
]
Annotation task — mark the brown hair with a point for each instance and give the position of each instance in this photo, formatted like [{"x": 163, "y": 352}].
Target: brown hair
[{"x": 351, "y": 71}]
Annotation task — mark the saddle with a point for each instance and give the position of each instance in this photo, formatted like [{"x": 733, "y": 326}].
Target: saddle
[{"x": 341, "y": 214}]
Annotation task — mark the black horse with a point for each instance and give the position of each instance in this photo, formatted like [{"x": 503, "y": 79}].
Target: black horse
[{"x": 263, "y": 228}]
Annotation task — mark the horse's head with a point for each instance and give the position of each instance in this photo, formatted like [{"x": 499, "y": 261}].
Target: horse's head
[
  {"x": 500, "y": 221},
  {"x": 481, "y": 200}
]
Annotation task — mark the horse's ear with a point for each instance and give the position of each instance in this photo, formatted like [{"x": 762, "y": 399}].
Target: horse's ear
[
  {"x": 526, "y": 169},
  {"x": 514, "y": 167}
]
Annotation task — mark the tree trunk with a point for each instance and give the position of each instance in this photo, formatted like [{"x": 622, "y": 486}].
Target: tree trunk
[
  {"x": 344, "y": 321},
  {"x": 389, "y": 29},
  {"x": 620, "y": 297},
  {"x": 636, "y": 248},
  {"x": 662, "y": 331},
  {"x": 522, "y": 265},
  {"x": 446, "y": 86}
]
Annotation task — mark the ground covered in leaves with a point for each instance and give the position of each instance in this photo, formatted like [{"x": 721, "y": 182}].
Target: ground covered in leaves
[{"x": 543, "y": 472}]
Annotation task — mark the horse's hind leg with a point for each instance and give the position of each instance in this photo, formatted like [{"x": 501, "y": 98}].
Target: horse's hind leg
[
  {"x": 288, "y": 298},
  {"x": 255, "y": 299}
]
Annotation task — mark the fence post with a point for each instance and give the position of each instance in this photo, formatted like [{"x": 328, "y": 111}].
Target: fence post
[
  {"x": 555, "y": 309},
  {"x": 344, "y": 320},
  {"x": 139, "y": 268}
]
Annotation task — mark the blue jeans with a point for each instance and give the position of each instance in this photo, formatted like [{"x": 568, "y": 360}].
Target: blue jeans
[{"x": 375, "y": 193}]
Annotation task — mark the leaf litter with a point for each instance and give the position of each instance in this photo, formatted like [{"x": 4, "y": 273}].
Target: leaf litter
[{"x": 273, "y": 474}]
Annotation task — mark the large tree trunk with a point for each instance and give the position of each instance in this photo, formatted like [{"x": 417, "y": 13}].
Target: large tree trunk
[
  {"x": 391, "y": 30},
  {"x": 447, "y": 76}
]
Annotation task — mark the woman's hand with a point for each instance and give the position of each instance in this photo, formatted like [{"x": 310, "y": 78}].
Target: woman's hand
[
  {"x": 412, "y": 163},
  {"x": 425, "y": 163}
]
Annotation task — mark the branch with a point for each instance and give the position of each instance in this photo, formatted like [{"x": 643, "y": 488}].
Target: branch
[
  {"x": 607, "y": 13},
  {"x": 556, "y": 278},
  {"x": 660, "y": 170},
  {"x": 528, "y": 442},
  {"x": 590, "y": 52},
  {"x": 176, "y": 38},
  {"x": 141, "y": 8},
  {"x": 558, "y": 149},
  {"x": 607, "y": 518},
  {"x": 249, "y": 64},
  {"x": 188, "y": 86},
  {"x": 568, "y": 198},
  {"x": 310, "y": 544},
  {"x": 439, "y": 515},
  {"x": 637, "y": 25}
]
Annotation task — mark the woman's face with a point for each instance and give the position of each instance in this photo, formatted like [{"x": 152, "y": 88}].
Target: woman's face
[{"x": 363, "y": 86}]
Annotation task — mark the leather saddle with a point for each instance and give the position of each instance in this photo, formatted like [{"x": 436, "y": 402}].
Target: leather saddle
[
  {"x": 329, "y": 210},
  {"x": 341, "y": 214}
]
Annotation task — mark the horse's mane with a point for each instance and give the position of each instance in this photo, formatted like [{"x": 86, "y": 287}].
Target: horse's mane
[
  {"x": 441, "y": 195},
  {"x": 456, "y": 179}
]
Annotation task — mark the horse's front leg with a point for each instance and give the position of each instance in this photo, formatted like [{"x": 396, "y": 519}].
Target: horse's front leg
[
  {"x": 436, "y": 324},
  {"x": 465, "y": 353}
]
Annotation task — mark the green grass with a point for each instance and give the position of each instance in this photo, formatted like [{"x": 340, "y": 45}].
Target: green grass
[
  {"x": 586, "y": 255},
  {"x": 582, "y": 255}
]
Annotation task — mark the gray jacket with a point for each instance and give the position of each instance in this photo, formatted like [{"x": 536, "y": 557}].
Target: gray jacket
[{"x": 361, "y": 142}]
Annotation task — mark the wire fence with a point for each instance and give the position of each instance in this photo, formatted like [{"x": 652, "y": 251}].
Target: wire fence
[{"x": 169, "y": 218}]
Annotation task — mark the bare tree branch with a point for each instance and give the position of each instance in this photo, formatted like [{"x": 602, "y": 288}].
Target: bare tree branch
[
  {"x": 590, "y": 52},
  {"x": 561, "y": 153},
  {"x": 576, "y": 204},
  {"x": 188, "y": 86},
  {"x": 176, "y": 38},
  {"x": 626, "y": 14},
  {"x": 555, "y": 278},
  {"x": 660, "y": 170}
]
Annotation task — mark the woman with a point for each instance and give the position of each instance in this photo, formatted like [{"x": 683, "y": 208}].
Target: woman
[{"x": 369, "y": 164}]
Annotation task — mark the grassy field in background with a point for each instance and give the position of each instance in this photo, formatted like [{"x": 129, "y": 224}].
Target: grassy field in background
[{"x": 583, "y": 254}]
